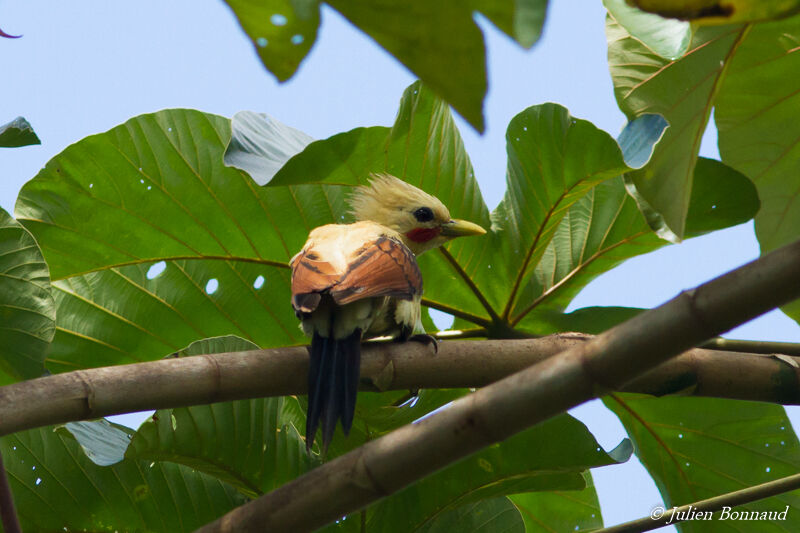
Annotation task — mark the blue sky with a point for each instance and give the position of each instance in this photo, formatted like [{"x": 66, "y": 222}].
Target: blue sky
[{"x": 85, "y": 66}]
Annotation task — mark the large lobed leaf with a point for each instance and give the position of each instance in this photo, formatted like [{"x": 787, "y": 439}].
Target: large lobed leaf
[
  {"x": 566, "y": 216},
  {"x": 254, "y": 445},
  {"x": 155, "y": 188},
  {"x": 438, "y": 41},
  {"x": 57, "y": 487},
  {"x": 746, "y": 72},
  {"x": 696, "y": 448},
  {"x": 27, "y": 310}
]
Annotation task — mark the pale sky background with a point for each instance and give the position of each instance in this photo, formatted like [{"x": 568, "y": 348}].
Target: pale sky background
[{"x": 85, "y": 66}]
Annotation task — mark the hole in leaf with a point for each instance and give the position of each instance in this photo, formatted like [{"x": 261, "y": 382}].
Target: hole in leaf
[
  {"x": 212, "y": 286},
  {"x": 155, "y": 270},
  {"x": 441, "y": 320},
  {"x": 259, "y": 282}
]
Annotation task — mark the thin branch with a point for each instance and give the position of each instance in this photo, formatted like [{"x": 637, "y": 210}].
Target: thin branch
[
  {"x": 475, "y": 319},
  {"x": 385, "y": 465},
  {"x": 696, "y": 510},
  {"x": 763, "y": 347},
  {"x": 97, "y": 392},
  {"x": 8, "y": 514}
]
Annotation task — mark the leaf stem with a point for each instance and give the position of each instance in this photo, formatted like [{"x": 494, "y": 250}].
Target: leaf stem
[
  {"x": 471, "y": 284},
  {"x": 717, "y": 503}
]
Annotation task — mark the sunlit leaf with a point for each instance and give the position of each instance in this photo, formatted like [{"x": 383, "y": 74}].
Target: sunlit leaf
[
  {"x": 646, "y": 82},
  {"x": 251, "y": 444},
  {"x": 260, "y": 145},
  {"x": 102, "y": 442},
  {"x": 758, "y": 118},
  {"x": 696, "y": 448},
  {"x": 603, "y": 229},
  {"x": 16, "y": 133},
  {"x": 667, "y": 37},
  {"x": 27, "y": 311},
  {"x": 56, "y": 486},
  {"x": 156, "y": 188},
  {"x": 128, "y": 314}
]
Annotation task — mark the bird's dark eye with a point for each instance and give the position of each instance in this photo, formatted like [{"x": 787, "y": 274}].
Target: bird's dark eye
[{"x": 424, "y": 214}]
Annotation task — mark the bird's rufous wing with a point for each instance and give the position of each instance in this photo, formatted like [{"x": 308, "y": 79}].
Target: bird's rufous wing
[
  {"x": 311, "y": 276},
  {"x": 383, "y": 267}
]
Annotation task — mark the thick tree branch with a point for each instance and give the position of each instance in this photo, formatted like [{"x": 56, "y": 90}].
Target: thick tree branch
[
  {"x": 494, "y": 413},
  {"x": 93, "y": 393},
  {"x": 717, "y": 503}
]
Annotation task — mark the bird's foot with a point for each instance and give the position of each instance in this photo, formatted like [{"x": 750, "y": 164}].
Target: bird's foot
[{"x": 426, "y": 339}]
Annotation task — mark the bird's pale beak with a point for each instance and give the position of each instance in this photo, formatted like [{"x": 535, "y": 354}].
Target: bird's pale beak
[{"x": 461, "y": 228}]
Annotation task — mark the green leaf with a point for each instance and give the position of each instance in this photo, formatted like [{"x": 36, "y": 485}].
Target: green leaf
[
  {"x": 554, "y": 160},
  {"x": 102, "y": 442},
  {"x": 486, "y": 516},
  {"x": 721, "y": 198},
  {"x": 757, "y": 116},
  {"x": 56, "y": 486},
  {"x": 603, "y": 229},
  {"x": 696, "y": 448},
  {"x": 282, "y": 31},
  {"x": 122, "y": 316},
  {"x": 564, "y": 448},
  {"x": 666, "y": 37},
  {"x": 424, "y": 36},
  {"x": 254, "y": 445},
  {"x": 17, "y": 133},
  {"x": 260, "y": 145},
  {"x": 646, "y": 82},
  {"x": 155, "y": 188},
  {"x": 438, "y": 41},
  {"x": 522, "y": 20},
  {"x": 27, "y": 310},
  {"x": 717, "y": 12},
  {"x": 425, "y": 148},
  {"x": 545, "y": 512}
]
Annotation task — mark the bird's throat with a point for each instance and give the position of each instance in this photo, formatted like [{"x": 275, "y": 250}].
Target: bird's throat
[{"x": 423, "y": 234}]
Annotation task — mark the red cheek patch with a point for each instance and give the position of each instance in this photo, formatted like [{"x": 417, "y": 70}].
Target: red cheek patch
[{"x": 423, "y": 234}]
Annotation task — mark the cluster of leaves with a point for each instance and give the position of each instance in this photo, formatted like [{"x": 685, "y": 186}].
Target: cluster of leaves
[{"x": 177, "y": 226}]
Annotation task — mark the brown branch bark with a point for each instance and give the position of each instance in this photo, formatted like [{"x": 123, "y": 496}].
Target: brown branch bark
[
  {"x": 93, "y": 393},
  {"x": 386, "y": 465}
]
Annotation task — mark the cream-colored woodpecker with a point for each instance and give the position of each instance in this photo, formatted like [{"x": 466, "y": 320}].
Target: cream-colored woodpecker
[{"x": 361, "y": 280}]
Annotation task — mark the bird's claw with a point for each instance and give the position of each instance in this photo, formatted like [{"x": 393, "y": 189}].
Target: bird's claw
[{"x": 426, "y": 339}]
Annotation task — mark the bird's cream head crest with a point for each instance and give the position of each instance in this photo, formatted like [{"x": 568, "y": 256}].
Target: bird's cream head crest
[
  {"x": 422, "y": 221},
  {"x": 393, "y": 203}
]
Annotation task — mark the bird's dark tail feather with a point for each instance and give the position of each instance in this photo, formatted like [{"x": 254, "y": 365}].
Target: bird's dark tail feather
[{"x": 333, "y": 376}]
